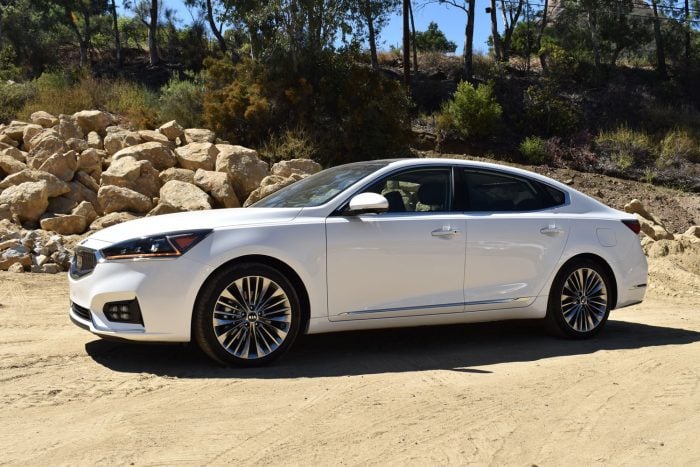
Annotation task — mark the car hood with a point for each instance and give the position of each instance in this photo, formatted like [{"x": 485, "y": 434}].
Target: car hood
[{"x": 210, "y": 219}]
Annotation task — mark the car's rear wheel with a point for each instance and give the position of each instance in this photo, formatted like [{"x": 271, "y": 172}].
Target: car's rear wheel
[
  {"x": 580, "y": 300},
  {"x": 247, "y": 314}
]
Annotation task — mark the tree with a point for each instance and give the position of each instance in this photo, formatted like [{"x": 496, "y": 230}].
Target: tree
[
  {"x": 147, "y": 11},
  {"x": 372, "y": 16},
  {"x": 467, "y": 6},
  {"x": 510, "y": 11},
  {"x": 117, "y": 42},
  {"x": 660, "y": 56},
  {"x": 78, "y": 15},
  {"x": 434, "y": 40}
]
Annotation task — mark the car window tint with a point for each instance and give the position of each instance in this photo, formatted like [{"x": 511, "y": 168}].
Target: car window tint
[
  {"x": 499, "y": 192},
  {"x": 423, "y": 190}
]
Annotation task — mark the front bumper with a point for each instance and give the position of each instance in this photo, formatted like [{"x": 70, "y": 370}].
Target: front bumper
[{"x": 165, "y": 289}]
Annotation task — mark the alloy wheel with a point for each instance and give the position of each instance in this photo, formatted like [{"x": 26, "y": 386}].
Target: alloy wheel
[
  {"x": 584, "y": 300},
  {"x": 252, "y": 317}
]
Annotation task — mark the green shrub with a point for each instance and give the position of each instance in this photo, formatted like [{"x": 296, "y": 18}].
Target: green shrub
[
  {"x": 625, "y": 147},
  {"x": 474, "y": 111},
  {"x": 548, "y": 114},
  {"x": 182, "y": 100},
  {"x": 534, "y": 150},
  {"x": 676, "y": 146},
  {"x": 132, "y": 101},
  {"x": 351, "y": 112},
  {"x": 13, "y": 97}
]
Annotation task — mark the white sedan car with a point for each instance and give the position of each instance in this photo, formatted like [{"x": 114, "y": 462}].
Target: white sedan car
[{"x": 362, "y": 246}]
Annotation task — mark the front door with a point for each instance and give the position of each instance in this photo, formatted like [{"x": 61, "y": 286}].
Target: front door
[{"x": 405, "y": 262}]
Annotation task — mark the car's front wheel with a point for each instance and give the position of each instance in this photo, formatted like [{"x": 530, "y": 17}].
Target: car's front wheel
[
  {"x": 580, "y": 300},
  {"x": 247, "y": 314}
]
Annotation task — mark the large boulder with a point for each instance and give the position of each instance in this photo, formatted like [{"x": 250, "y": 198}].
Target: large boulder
[
  {"x": 9, "y": 165},
  {"x": 218, "y": 186},
  {"x": 172, "y": 130},
  {"x": 62, "y": 165},
  {"x": 94, "y": 140},
  {"x": 87, "y": 210},
  {"x": 174, "y": 173},
  {"x": 116, "y": 199},
  {"x": 79, "y": 193},
  {"x": 295, "y": 166},
  {"x": 17, "y": 254},
  {"x": 14, "y": 131},
  {"x": 199, "y": 135},
  {"x": 113, "y": 218},
  {"x": 136, "y": 175},
  {"x": 151, "y": 135},
  {"x": 55, "y": 186},
  {"x": 269, "y": 185},
  {"x": 195, "y": 156},
  {"x": 69, "y": 224},
  {"x": 118, "y": 139},
  {"x": 76, "y": 144},
  {"x": 14, "y": 153},
  {"x": 44, "y": 119},
  {"x": 92, "y": 120},
  {"x": 67, "y": 128},
  {"x": 243, "y": 167},
  {"x": 163, "y": 208},
  {"x": 27, "y": 201},
  {"x": 30, "y": 131},
  {"x": 158, "y": 154},
  {"x": 44, "y": 145},
  {"x": 636, "y": 207},
  {"x": 184, "y": 196},
  {"x": 653, "y": 230},
  {"x": 90, "y": 161}
]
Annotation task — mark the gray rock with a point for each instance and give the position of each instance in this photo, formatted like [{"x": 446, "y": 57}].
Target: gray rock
[
  {"x": 93, "y": 120},
  {"x": 65, "y": 224}
]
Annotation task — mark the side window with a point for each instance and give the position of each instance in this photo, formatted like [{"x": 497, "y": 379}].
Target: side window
[
  {"x": 421, "y": 190},
  {"x": 488, "y": 191}
]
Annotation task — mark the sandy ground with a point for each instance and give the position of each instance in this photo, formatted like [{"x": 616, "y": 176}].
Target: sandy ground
[{"x": 486, "y": 394}]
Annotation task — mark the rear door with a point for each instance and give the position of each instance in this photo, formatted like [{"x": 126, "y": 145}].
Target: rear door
[{"x": 515, "y": 237}]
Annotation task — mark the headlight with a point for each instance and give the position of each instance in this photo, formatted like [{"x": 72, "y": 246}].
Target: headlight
[{"x": 158, "y": 246}]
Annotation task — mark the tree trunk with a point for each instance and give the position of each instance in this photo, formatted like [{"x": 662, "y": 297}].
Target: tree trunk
[
  {"x": 540, "y": 33},
  {"x": 152, "y": 33},
  {"x": 593, "y": 29},
  {"x": 81, "y": 41},
  {"x": 660, "y": 55},
  {"x": 372, "y": 37},
  {"x": 214, "y": 30},
  {"x": 495, "y": 36},
  {"x": 413, "y": 38},
  {"x": 406, "y": 49},
  {"x": 469, "y": 42},
  {"x": 117, "y": 41},
  {"x": 509, "y": 28},
  {"x": 686, "y": 10}
]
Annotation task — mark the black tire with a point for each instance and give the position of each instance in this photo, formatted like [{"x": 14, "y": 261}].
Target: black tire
[
  {"x": 578, "y": 318},
  {"x": 261, "y": 327}
]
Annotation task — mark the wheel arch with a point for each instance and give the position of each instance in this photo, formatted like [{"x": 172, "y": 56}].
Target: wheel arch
[
  {"x": 282, "y": 267},
  {"x": 603, "y": 264}
]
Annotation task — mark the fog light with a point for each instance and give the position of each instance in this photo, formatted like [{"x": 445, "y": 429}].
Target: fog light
[{"x": 123, "y": 312}]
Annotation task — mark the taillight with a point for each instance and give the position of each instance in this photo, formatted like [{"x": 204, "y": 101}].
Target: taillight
[{"x": 633, "y": 224}]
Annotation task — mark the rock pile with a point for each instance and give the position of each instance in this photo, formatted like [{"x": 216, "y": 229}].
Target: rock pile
[
  {"x": 653, "y": 228},
  {"x": 63, "y": 177}
]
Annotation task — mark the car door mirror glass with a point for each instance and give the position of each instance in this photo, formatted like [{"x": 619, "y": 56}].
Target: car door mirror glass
[{"x": 367, "y": 203}]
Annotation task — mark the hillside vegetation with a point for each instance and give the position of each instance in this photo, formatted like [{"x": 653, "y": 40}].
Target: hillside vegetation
[{"x": 601, "y": 86}]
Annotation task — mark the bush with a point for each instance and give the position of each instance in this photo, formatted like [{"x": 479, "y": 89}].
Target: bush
[
  {"x": 182, "y": 100},
  {"x": 534, "y": 150},
  {"x": 13, "y": 96},
  {"x": 291, "y": 144},
  {"x": 625, "y": 148},
  {"x": 62, "y": 93},
  {"x": 474, "y": 112},
  {"x": 677, "y": 146},
  {"x": 351, "y": 112},
  {"x": 548, "y": 114}
]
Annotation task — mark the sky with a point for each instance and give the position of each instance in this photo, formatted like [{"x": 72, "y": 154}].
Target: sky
[{"x": 450, "y": 20}]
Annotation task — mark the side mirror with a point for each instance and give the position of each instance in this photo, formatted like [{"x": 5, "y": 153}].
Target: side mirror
[{"x": 367, "y": 203}]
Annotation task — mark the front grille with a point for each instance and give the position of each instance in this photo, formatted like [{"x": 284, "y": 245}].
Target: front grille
[
  {"x": 81, "y": 311},
  {"x": 84, "y": 261}
]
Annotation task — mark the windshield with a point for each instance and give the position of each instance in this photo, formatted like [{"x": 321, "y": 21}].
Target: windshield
[{"x": 319, "y": 188}]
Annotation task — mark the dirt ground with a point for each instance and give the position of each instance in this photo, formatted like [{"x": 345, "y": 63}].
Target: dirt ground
[{"x": 501, "y": 393}]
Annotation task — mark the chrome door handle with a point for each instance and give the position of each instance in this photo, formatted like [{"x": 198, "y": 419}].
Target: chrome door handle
[
  {"x": 551, "y": 230},
  {"x": 444, "y": 232}
]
